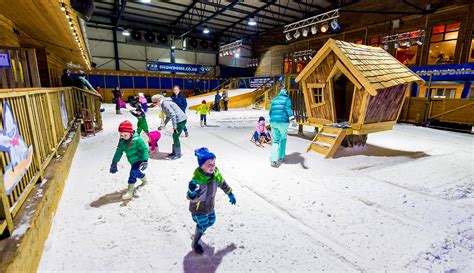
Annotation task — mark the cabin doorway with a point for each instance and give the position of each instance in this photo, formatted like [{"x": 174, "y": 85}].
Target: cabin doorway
[{"x": 343, "y": 92}]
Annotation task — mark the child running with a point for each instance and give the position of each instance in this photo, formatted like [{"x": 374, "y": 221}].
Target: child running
[
  {"x": 137, "y": 154},
  {"x": 203, "y": 109},
  {"x": 202, "y": 192},
  {"x": 142, "y": 124}
]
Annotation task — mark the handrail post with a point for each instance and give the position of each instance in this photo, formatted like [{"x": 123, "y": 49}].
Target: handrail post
[
  {"x": 34, "y": 134},
  {"x": 5, "y": 211},
  {"x": 51, "y": 117}
]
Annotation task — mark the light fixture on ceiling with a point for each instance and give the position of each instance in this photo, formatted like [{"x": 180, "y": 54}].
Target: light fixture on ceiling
[
  {"x": 314, "y": 29},
  {"x": 305, "y": 32},
  {"x": 419, "y": 41},
  {"x": 252, "y": 22},
  {"x": 205, "y": 30},
  {"x": 335, "y": 25},
  {"x": 63, "y": 6},
  {"x": 125, "y": 32},
  {"x": 324, "y": 27},
  {"x": 297, "y": 34},
  {"x": 288, "y": 36},
  {"x": 67, "y": 15}
]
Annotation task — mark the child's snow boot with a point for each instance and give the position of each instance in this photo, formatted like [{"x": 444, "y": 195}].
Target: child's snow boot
[
  {"x": 130, "y": 192},
  {"x": 195, "y": 245},
  {"x": 186, "y": 134},
  {"x": 202, "y": 123},
  {"x": 177, "y": 153},
  {"x": 173, "y": 152},
  {"x": 144, "y": 181}
]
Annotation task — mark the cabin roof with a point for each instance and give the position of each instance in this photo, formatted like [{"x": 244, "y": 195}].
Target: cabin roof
[{"x": 372, "y": 66}]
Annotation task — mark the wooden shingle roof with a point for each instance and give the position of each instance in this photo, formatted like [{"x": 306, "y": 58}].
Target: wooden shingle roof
[{"x": 373, "y": 67}]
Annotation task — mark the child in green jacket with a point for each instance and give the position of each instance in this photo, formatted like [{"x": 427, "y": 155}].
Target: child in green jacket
[
  {"x": 203, "y": 109},
  {"x": 142, "y": 124},
  {"x": 136, "y": 151},
  {"x": 202, "y": 193}
]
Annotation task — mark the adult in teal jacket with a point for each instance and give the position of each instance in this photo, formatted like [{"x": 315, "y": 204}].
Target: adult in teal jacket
[{"x": 280, "y": 117}]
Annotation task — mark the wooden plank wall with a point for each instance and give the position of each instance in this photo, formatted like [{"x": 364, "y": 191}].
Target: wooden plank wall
[
  {"x": 23, "y": 70},
  {"x": 357, "y": 105},
  {"x": 270, "y": 62},
  {"x": 386, "y": 105},
  {"x": 7, "y": 36}
]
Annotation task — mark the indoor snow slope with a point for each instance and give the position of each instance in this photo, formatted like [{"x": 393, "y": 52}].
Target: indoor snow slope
[
  {"x": 405, "y": 205},
  {"x": 210, "y": 98}
]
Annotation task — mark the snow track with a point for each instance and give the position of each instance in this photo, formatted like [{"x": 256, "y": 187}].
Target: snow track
[{"x": 309, "y": 215}]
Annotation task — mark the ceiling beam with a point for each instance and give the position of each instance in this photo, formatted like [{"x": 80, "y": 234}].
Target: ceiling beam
[
  {"x": 318, "y": 7},
  {"x": 119, "y": 16},
  {"x": 273, "y": 12},
  {"x": 217, "y": 13},
  {"x": 185, "y": 12},
  {"x": 248, "y": 16},
  {"x": 258, "y": 15}
]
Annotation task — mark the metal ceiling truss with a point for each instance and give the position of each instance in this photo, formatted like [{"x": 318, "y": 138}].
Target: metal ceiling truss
[
  {"x": 320, "y": 18},
  {"x": 230, "y": 46},
  {"x": 406, "y": 36}
]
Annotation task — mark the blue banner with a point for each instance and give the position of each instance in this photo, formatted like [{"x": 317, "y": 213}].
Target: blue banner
[
  {"x": 446, "y": 72},
  {"x": 4, "y": 60},
  {"x": 257, "y": 81},
  {"x": 177, "y": 68}
]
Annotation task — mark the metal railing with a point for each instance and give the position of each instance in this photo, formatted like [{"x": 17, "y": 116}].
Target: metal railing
[{"x": 37, "y": 120}]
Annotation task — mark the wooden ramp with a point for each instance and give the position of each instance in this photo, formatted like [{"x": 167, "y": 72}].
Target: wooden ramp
[{"x": 327, "y": 141}]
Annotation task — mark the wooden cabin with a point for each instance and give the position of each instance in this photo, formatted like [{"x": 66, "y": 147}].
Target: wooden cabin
[{"x": 352, "y": 90}]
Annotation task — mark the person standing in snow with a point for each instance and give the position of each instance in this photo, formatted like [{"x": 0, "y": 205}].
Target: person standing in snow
[
  {"x": 225, "y": 98},
  {"x": 178, "y": 119},
  {"x": 203, "y": 110},
  {"x": 136, "y": 151},
  {"x": 202, "y": 192},
  {"x": 280, "y": 117},
  {"x": 153, "y": 138},
  {"x": 117, "y": 97},
  {"x": 217, "y": 102},
  {"x": 142, "y": 124},
  {"x": 180, "y": 99}
]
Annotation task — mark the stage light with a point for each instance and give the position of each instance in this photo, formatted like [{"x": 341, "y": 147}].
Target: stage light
[
  {"x": 125, "y": 32},
  {"x": 252, "y": 22},
  {"x": 310, "y": 57},
  {"x": 63, "y": 7},
  {"x": 304, "y": 58},
  {"x": 238, "y": 50},
  {"x": 408, "y": 43},
  {"x": 288, "y": 36},
  {"x": 396, "y": 45},
  {"x": 237, "y": 55},
  {"x": 335, "y": 25},
  {"x": 221, "y": 54},
  {"x": 385, "y": 46},
  {"x": 297, "y": 34},
  {"x": 314, "y": 29},
  {"x": 305, "y": 32},
  {"x": 324, "y": 27},
  {"x": 205, "y": 30},
  {"x": 419, "y": 41}
]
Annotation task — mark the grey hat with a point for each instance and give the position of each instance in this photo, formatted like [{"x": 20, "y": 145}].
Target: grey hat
[{"x": 157, "y": 98}]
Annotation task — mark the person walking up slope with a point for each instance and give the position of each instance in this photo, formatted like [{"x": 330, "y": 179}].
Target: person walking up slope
[
  {"x": 202, "y": 193},
  {"x": 136, "y": 151},
  {"x": 203, "y": 110},
  {"x": 280, "y": 117}
]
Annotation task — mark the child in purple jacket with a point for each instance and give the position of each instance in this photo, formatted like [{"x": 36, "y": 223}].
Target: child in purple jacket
[{"x": 261, "y": 130}]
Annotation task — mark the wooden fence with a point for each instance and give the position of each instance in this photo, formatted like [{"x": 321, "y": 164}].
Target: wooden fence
[{"x": 43, "y": 116}]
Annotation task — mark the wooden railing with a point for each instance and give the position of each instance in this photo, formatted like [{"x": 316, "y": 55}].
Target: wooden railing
[
  {"x": 22, "y": 71},
  {"x": 43, "y": 117}
]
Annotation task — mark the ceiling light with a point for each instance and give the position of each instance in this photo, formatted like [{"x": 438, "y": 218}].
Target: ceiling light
[
  {"x": 237, "y": 55},
  {"x": 252, "y": 22},
  {"x": 63, "y": 7},
  {"x": 396, "y": 45},
  {"x": 408, "y": 43},
  {"x": 67, "y": 15},
  {"x": 335, "y": 25},
  {"x": 310, "y": 57},
  {"x": 125, "y": 32},
  {"x": 324, "y": 27},
  {"x": 419, "y": 41},
  {"x": 288, "y": 36},
  {"x": 314, "y": 29},
  {"x": 205, "y": 30},
  {"x": 305, "y": 32},
  {"x": 297, "y": 34}
]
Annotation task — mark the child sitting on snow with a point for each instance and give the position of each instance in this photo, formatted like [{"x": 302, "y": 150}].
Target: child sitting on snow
[
  {"x": 142, "y": 124},
  {"x": 136, "y": 151},
  {"x": 203, "y": 109},
  {"x": 153, "y": 138},
  {"x": 202, "y": 192},
  {"x": 261, "y": 131}
]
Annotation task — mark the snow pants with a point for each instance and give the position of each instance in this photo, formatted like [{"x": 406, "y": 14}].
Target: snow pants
[
  {"x": 180, "y": 126},
  {"x": 204, "y": 118},
  {"x": 135, "y": 173},
  {"x": 279, "y": 136},
  {"x": 204, "y": 222}
]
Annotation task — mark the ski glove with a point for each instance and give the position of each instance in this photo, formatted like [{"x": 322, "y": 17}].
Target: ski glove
[
  {"x": 232, "y": 198},
  {"x": 113, "y": 168},
  {"x": 193, "y": 188},
  {"x": 143, "y": 165},
  {"x": 160, "y": 128},
  {"x": 293, "y": 121}
]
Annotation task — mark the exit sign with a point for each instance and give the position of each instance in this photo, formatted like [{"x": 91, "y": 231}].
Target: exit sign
[{"x": 4, "y": 60}]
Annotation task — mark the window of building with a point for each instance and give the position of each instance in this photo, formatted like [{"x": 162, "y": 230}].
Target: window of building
[
  {"x": 443, "y": 43},
  {"x": 471, "y": 53},
  {"x": 376, "y": 41},
  {"x": 318, "y": 95},
  {"x": 407, "y": 55},
  {"x": 443, "y": 93}
]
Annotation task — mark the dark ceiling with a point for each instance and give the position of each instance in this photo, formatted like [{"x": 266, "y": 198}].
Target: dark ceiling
[{"x": 226, "y": 20}]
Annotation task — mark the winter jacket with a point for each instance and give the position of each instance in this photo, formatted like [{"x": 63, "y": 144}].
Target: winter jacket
[
  {"x": 135, "y": 148},
  {"x": 217, "y": 98},
  {"x": 261, "y": 128},
  {"x": 154, "y": 137},
  {"x": 66, "y": 80},
  {"x": 225, "y": 96},
  {"x": 280, "y": 108},
  {"x": 180, "y": 100},
  {"x": 83, "y": 83},
  {"x": 142, "y": 124},
  {"x": 203, "y": 202},
  {"x": 173, "y": 112},
  {"x": 117, "y": 94},
  {"x": 203, "y": 109}
]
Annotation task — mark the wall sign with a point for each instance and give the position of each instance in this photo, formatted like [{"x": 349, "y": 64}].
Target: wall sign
[
  {"x": 4, "y": 60},
  {"x": 20, "y": 155},
  {"x": 176, "y": 68},
  {"x": 257, "y": 81},
  {"x": 446, "y": 72}
]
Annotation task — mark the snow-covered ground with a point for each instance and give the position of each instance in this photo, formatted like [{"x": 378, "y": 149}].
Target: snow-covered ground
[{"x": 402, "y": 203}]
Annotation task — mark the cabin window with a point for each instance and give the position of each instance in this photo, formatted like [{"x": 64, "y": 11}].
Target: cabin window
[
  {"x": 318, "y": 95},
  {"x": 443, "y": 43},
  {"x": 443, "y": 93}
]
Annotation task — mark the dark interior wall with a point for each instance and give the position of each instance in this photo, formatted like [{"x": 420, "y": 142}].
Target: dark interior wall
[
  {"x": 343, "y": 93},
  {"x": 234, "y": 71}
]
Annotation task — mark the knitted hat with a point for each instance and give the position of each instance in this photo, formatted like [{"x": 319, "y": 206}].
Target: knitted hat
[
  {"x": 126, "y": 127},
  {"x": 261, "y": 118},
  {"x": 203, "y": 155},
  {"x": 203, "y": 101}
]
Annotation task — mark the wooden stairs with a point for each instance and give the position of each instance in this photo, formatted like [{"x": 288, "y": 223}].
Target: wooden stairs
[{"x": 327, "y": 140}]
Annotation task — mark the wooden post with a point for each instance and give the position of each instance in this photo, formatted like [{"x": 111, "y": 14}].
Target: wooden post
[
  {"x": 34, "y": 133},
  {"x": 51, "y": 116},
  {"x": 5, "y": 211}
]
